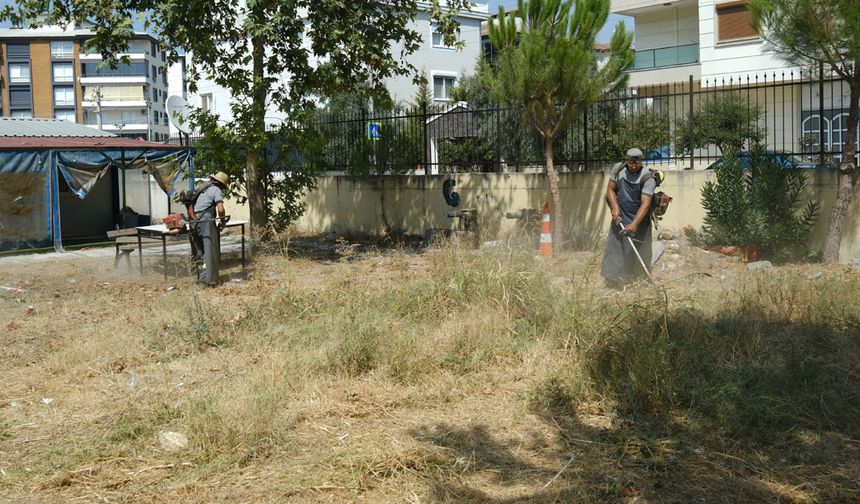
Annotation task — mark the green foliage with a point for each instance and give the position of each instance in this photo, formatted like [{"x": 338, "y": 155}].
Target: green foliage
[
  {"x": 810, "y": 33},
  {"x": 342, "y": 125},
  {"x": 621, "y": 129},
  {"x": 247, "y": 48},
  {"x": 761, "y": 206},
  {"x": 549, "y": 68},
  {"x": 727, "y": 120}
]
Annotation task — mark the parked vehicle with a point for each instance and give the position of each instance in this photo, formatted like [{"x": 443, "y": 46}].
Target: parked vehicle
[{"x": 784, "y": 159}]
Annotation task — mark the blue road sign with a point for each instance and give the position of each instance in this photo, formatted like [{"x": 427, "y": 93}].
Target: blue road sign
[{"x": 374, "y": 131}]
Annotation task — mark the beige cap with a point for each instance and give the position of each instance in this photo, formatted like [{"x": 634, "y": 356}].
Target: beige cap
[{"x": 222, "y": 178}]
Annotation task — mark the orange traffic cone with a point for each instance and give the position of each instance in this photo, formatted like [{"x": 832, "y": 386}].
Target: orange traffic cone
[{"x": 545, "y": 247}]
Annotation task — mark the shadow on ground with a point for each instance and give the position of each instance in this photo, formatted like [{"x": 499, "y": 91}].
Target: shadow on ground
[{"x": 744, "y": 406}]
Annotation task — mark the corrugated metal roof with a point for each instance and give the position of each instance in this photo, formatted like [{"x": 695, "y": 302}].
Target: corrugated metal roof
[
  {"x": 78, "y": 143},
  {"x": 26, "y": 127}
]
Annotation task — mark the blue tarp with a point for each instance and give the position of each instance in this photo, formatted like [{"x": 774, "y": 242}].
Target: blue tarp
[{"x": 29, "y": 195}]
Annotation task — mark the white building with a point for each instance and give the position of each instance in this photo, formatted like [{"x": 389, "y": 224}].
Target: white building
[
  {"x": 708, "y": 39},
  {"x": 442, "y": 65},
  {"x": 130, "y": 97},
  {"x": 51, "y": 75},
  {"x": 713, "y": 43}
]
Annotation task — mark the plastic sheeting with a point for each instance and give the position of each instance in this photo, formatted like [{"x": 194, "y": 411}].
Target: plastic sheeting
[
  {"x": 29, "y": 201},
  {"x": 25, "y": 196}
]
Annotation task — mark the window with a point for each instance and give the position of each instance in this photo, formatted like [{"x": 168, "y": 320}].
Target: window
[
  {"x": 18, "y": 51},
  {"x": 20, "y": 98},
  {"x": 62, "y": 49},
  {"x": 19, "y": 73},
  {"x": 65, "y": 115},
  {"x": 64, "y": 96},
  {"x": 116, "y": 93},
  {"x": 442, "y": 87},
  {"x": 438, "y": 40},
  {"x": 734, "y": 22},
  {"x": 153, "y": 49},
  {"x": 22, "y": 113},
  {"x": 206, "y": 102},
  {"x": 154, "y": 95},
  {"x": 134, "y": 69},
  {"x": 154, "y": 72},
  {"x": 63, "y": 72}
]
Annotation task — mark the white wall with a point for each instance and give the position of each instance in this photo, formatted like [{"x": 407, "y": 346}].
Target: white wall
[
  {"x": 431, "y": 59},
  {"x": 732, "y": 60}
]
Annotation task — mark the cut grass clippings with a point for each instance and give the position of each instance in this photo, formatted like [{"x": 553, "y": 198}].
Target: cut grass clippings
[{"x": 446, "y": 376}]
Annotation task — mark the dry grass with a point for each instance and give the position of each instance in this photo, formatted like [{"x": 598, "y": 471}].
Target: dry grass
[{"x": 386, "y": 375}]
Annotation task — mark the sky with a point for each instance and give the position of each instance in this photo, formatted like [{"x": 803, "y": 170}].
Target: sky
[{"x": 604, "y": 35}]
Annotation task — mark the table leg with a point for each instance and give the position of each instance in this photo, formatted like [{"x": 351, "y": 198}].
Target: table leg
[
  {"x": 140, "y": 252},
  {"x": 243, "y": 247},
  {"x": 164, "y": 255}
]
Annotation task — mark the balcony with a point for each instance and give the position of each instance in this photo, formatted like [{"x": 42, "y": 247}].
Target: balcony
[{"x": 666, "y": 57}]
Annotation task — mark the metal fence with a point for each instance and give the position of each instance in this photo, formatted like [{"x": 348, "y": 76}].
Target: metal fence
[{"x": 802, "y": 115}]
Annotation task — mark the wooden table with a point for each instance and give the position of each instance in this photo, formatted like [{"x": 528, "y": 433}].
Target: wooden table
[{"x": 161, "y": 231}]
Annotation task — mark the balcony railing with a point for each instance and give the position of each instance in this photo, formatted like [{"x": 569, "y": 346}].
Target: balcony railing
[{"x": 666, "y": 56}]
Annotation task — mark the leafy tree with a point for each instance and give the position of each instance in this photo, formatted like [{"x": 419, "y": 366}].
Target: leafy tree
[
  {"x": 813, "y": 33},
  {"x": 517, "y": 141},
  {"x": 620, "y": 130},
  {"x": 247, "y": 48},
  {"x": 761, "y": 206},
  {"x": 728, "y": 121},
  {"x": 547, "y": 68}
]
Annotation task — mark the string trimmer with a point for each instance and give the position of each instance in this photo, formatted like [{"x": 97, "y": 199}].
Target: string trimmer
[{"x": 635, "y": 250}]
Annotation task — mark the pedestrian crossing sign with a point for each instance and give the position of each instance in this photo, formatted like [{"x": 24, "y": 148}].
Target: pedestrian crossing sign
[{"x": 374, "y": 131}]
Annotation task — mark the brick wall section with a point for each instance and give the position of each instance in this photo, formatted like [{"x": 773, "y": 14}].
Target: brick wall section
[
  {"x": 4, "y": 90},
  {"x": 79, "y": 114},
  {"x": 41, "y": 79}
]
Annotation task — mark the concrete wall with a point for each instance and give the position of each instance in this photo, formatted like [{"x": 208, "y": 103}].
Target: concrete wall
[{"x": 413, "y": 204}]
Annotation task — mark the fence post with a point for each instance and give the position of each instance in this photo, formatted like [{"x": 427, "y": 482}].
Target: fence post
[
  {"x": 821, "y": 112},
  {"x": 498, "y": 140},
  {"x": 426, "y": 149},
  {"x": 690, "y": 119},
  {"x": 585, "y": 139}
]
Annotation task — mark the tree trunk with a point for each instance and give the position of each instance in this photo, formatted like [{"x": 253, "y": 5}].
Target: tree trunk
[
  {"x": 255, "y": 173},
  {"x": 845, "y": 185},
  {"x": 554, "y": 193}
]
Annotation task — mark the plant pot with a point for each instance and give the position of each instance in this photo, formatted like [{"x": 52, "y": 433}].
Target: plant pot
[{"x": 751, "y": 252}]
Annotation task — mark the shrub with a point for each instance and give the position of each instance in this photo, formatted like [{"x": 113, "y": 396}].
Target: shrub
[{"x": 760, "y": 206}]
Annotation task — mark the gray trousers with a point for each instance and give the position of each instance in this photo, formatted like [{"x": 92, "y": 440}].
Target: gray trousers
[
  {"x": 620, "y": 264},
  {"x": 207, "y": 253}
]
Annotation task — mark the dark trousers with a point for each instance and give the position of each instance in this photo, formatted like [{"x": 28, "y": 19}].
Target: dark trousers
[
  {"x": 206, "y": 248},
  {"x": 620, "y": 264}
]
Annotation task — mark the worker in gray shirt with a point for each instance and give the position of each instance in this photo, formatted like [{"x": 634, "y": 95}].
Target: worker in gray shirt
[
  {"x": 629, "y": 194},
  {"x": 206, "y": 234}
]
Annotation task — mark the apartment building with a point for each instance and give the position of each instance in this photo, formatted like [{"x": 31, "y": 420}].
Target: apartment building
[
  {"x": 442, "y": 64},
  {"x": 48, "y": 73},
  {"x": 712, "y": 45}
]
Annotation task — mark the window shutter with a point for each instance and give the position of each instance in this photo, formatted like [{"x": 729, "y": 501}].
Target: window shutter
[{"x": 734, "y": 21}]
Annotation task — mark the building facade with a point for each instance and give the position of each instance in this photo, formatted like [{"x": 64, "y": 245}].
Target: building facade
[
  {"x": 442, "y": 65},
  {"x": 703, "y": 46},
  {"x": 48, "y": 73}
]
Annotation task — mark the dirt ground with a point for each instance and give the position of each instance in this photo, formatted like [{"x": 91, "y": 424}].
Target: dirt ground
[{"x": 83, "y": 367}]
